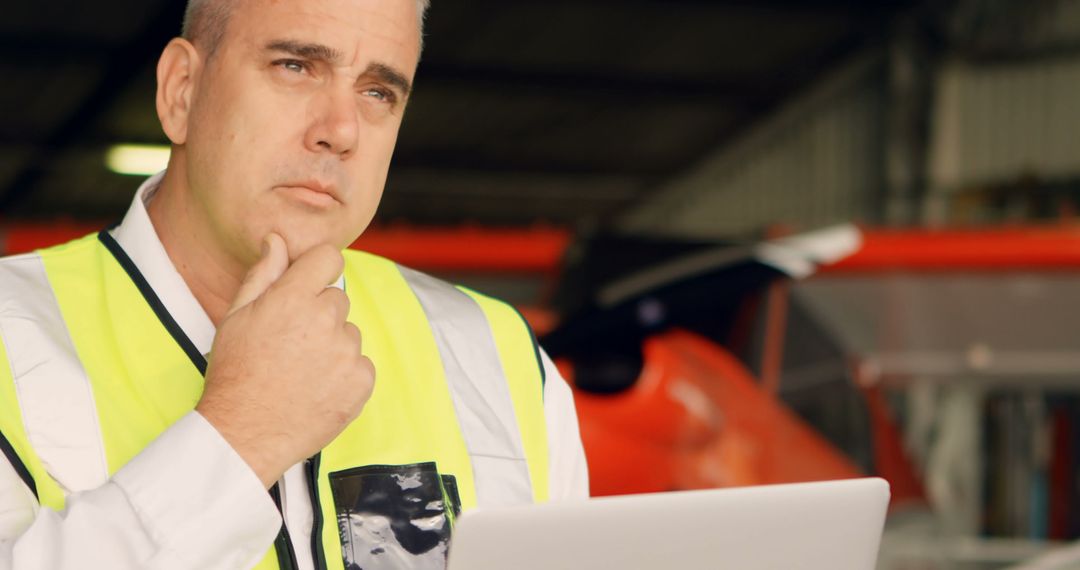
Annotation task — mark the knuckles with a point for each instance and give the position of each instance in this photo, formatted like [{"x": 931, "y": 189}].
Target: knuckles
[
  {"x": 328, "y": 256},
  {"x": 353, "y": 335},
  {"x": 335, "y": 302}
]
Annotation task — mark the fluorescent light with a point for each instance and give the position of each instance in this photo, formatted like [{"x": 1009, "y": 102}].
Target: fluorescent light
[{"x": 137, "y": 159}]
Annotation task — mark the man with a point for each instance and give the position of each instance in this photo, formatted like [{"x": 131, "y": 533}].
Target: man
[{"x": 157, "y": 379}]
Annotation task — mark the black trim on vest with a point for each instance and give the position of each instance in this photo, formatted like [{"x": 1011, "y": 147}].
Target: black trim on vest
[
  {"x": 17, "y": 463},
  {"x": 312, "y": 471},
  {"x": 155, "y": 303},
  {"x": 283, "y": 543},
  {"x": 536, "y": 349}
]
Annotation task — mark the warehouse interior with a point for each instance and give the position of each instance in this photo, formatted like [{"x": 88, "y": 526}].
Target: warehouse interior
[{"x": 621, "y": 170}]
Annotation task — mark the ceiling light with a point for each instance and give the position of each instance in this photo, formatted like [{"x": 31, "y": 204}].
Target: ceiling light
[{"x": 137, "y": 159}]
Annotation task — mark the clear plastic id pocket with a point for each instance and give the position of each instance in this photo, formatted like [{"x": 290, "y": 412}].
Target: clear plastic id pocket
[{"x": 395, "y": 516}]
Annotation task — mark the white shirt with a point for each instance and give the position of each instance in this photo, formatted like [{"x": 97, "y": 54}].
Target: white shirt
[{"x": 188, "y": 500}]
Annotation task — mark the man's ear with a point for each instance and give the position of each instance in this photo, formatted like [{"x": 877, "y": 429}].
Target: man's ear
[{"x": 177, "y": 71}]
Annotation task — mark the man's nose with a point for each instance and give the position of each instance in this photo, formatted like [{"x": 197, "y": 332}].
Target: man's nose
[{"x": 335, "y": 127}]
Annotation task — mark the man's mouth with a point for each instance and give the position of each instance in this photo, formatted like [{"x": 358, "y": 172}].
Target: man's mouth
[{"x": 311, "y": 192}]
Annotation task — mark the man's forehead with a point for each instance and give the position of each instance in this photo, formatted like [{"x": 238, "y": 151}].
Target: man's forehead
[{"x": 337, "y": 23}]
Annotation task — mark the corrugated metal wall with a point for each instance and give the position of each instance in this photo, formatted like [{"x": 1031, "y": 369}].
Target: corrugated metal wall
[
  {"x": 999, "y": 116},
  {"x": 817, "y": 161},
  {"x": 1005, "y": 119},
  {"x": 997, "y": 122}
]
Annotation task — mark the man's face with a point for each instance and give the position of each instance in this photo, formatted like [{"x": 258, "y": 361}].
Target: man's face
[{"x": 293, "y": 120}]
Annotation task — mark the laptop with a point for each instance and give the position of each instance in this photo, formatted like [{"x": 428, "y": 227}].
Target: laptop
[{"x": 833, "y": 525}]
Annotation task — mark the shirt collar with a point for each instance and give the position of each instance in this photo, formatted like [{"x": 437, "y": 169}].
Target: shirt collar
[{"x": 138, "y": 238}]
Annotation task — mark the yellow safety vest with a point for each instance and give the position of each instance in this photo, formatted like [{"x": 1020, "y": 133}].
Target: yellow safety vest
[{"x": 457, "y": 407}]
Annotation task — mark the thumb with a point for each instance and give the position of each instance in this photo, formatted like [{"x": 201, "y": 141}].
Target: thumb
[{"x": 269, "y": 268}]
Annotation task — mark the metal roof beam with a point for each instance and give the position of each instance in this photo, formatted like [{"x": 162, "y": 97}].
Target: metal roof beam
[
  {"x": 743, "y": 96},
  {"x": 40, "y": 50},
  {"x": 849, "y": 8},
  {"x": 466, "y": 161}
]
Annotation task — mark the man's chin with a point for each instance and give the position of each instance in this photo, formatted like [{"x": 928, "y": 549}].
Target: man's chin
[{"x": 299, "y": 241}]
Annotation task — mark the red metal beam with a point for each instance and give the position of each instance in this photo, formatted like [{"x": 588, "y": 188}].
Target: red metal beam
[
  {"x": 540, "y": 249},
  {"x": 532, "y": 250},
  {"x": 24, "y": 237},
  {"x": 1003, "y": 249}
]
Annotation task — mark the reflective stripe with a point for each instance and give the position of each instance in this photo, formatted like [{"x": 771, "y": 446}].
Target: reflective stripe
[
  {"x": 521, "y": 362},
  {"x": 479, "y": 390},
  {"x": 54, "y": 393}
]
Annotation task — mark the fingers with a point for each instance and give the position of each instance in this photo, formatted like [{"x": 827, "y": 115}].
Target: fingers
[
  {"x": 270, "y": 267},
  {"x": 353, "y": 333},
  {"x": 337, "y": 302},
  {"x": 314, "y": 271}
]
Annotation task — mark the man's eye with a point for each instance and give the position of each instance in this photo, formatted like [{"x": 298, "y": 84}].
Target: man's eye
[
  {"x": 293, "y": 65},
  {"x": 379, "y": 94}
]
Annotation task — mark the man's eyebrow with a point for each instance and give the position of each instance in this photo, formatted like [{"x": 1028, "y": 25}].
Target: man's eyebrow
[
  {"x": 320, "y": 52},
  {"x": 388, "y": 74},
  {"x": 312, "y": 51}
]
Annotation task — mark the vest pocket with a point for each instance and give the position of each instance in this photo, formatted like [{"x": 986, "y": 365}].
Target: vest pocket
[{"x": 394, "y": 516}]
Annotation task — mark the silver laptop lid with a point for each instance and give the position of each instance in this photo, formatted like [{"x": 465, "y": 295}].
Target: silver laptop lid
[{"x": 834, "y": 525}]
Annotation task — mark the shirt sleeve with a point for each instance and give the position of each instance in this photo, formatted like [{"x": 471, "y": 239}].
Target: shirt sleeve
[
  {"x": 568, "y": 470},
  {"x": 187, "y": 501}
]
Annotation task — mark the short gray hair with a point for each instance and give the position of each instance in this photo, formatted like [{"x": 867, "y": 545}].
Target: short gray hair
[{"x": 206, "y": 20}]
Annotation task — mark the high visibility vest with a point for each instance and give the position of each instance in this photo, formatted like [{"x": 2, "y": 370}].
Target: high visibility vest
[{"x": 94, "y": 368}]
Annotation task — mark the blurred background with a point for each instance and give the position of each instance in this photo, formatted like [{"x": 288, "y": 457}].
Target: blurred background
[{"x": 768, "y": 240}]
